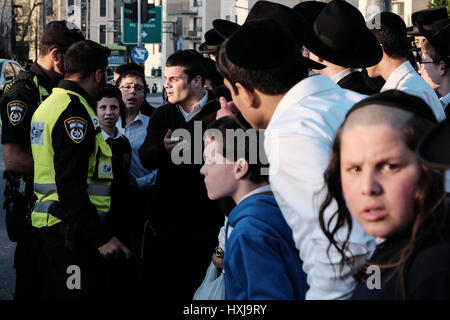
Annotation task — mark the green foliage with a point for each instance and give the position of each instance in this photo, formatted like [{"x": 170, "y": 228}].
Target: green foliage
[{"x": 439, "y": 3}]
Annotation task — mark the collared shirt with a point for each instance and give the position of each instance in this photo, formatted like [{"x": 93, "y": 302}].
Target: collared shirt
[
  {"x": 406, "y": 79},
  {"x": 106, "y": 135},
  {"x": 189, "y": 115},
  {"x": 302, "y": 129},
  {"x": 341, "y": 75},
  {"x": 135, "y": 132},
  {"x": 262, "y": 189},
  {"x": 445, "y": 100}
]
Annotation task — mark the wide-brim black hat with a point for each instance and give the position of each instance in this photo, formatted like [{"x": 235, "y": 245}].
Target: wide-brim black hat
[
  {"x": 439, "y": 38},
  {"x": 309, "y": 10},
  {"x": 282, "y": 14},
  {"x": 432, "y": 149},
  {"x": 212, "y": 42},
  {"x": 339, "y": 35},
  {"x": 428, "y": 16}
]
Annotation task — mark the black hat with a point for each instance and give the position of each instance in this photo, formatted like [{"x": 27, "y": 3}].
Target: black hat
[
  {"x": 433, "y": 149},
  {"x": 392, "y": 22},
  {"x": 400, "y": 100},
  {"x": 428, "y": 16},
  {"x": 61, "y": 33},
  {"x": 253, "y": 36},
  {"x": 212, "y": 42},
  {"x": 309, "y": 10},
  {"x": 284, "y": 15},
  {"x": 339, "y": 35},
  {"x": 439, "y": 39}
]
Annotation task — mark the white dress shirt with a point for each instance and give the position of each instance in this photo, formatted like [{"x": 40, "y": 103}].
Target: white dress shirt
[
  {"x": 189, "y": 115},
  {"x": 406, "y": 79},
  {"x": 341, "y": 75},
  {"x": 297, "y": 143},
  {"x": 136, "y": 131}
]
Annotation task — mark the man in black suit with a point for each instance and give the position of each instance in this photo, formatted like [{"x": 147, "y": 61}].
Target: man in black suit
[{"x": 337, "y": 36}]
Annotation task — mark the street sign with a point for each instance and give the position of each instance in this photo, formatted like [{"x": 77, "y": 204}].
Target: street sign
[
  {"x": 151, "y": 31},
  {"x": 139, "y": 54}
]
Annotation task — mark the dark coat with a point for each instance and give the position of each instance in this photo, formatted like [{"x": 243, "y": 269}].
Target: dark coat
[{"x": 355, "y": 82}]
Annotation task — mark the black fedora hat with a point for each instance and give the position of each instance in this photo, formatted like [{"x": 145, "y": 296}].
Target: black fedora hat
[
  {"x": 339, "y": 35},
  {"x": 439, "y": 38},
  {"x": 428, "y": 16},
  {"x": 212, "y": 42},
  {"x": 432, "y": 149},
  {"x": 282, "y": 14},
  {"x": 309, "y": 10},
  {"x": 253, "y": 35}
]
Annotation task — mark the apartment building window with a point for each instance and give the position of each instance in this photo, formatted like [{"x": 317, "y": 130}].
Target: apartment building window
[
  {"x": 102, "y": 36},
  {"x": 398, "y": 7},
  {"x": 227, "y": 17},
  {"x": 102, "y": 8}
]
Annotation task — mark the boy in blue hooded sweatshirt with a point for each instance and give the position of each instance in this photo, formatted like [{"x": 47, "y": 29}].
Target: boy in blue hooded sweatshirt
[{"x": 261, "y": 261}]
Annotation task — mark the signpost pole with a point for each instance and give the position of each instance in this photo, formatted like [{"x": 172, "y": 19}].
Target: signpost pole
[{"x": 139, "y": 23}]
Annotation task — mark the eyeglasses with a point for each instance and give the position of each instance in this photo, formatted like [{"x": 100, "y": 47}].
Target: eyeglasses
[
  {"x": 425, "y": 62},
  {"x": 128, "y": 88}
]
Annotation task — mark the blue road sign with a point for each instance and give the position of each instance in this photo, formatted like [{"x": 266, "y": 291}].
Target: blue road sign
[{"x": 139, "y": 54}]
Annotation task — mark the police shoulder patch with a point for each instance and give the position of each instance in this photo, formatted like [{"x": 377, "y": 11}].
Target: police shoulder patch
[
  {"x": 16, "y": 111},
  {"x": 76, "y": 128}
]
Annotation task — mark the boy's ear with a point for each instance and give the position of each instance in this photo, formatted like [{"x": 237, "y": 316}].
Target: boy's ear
[
  {"x": 250, "y": 97},
  {"x": 240, "y": 168}
]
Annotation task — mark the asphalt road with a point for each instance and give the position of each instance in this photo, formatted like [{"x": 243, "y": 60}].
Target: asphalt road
[{"x": 7, "y": 273}]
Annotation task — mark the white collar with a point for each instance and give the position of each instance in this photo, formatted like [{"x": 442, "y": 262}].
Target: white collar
[
  {"x": 265, "y": 188},
  {"x": 398, "y": 74},
  {"x": 445, "y": 100},
  {"x": 309, "y": 86},
  {"x": 106, "y": 134},
  {"x": 198, "y": 106},
  {"x": 137, "y": 118},
  {"x": 341, "y": 75}
]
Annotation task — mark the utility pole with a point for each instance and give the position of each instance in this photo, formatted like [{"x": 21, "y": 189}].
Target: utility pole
[
  {"x": 139, "y": 24},
  {"x": 383, "y": 5}
]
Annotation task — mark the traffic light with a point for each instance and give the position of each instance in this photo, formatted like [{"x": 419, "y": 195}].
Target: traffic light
[
  {"x": 133, "y": 14},
  {"x": 145, "y": 14}
]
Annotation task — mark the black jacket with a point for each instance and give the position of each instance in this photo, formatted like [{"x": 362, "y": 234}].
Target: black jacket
[
  {"x": 355, "y": 82},
  {"x": 427, "y": 275},
  {"x": 180, "y": 190}
]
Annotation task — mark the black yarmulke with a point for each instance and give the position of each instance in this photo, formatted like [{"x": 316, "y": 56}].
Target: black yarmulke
[
  {"x": 400, "y": 100},
  {"x": 261, "y": 44}
]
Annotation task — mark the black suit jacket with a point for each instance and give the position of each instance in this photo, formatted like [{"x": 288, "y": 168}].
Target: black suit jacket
[{"x": 355, "y": 82}]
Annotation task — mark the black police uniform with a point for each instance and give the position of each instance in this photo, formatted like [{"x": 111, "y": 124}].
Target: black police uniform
[{"x": 20, "y": 99}]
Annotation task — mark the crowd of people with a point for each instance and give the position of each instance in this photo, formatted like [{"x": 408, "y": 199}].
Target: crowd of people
[{"x": 300, "y": 155}]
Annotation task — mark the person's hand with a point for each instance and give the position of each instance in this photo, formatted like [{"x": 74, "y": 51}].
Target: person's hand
[
  {"x": 226, "y": 108},
  {"x": 218, "y": 262},
  {"x": 114, "y": 249},
  {"x": 170, "y": 142}
]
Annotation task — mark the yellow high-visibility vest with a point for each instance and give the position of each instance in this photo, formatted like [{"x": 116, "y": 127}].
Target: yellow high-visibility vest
[{"x": 99, "y": 169}]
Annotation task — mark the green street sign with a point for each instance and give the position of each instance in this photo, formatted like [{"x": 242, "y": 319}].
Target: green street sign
[{"x": 151, "y": 30}]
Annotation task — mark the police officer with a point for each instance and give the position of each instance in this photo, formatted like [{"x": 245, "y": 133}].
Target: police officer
[
  {"x": 72, "y": 181},
  {"x": 20, "y": 99}
]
